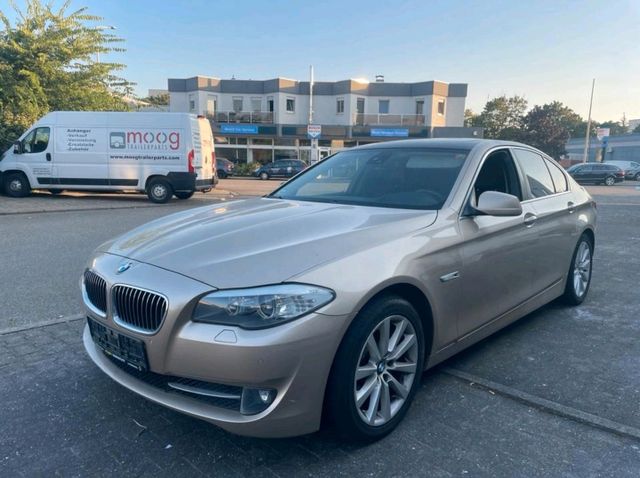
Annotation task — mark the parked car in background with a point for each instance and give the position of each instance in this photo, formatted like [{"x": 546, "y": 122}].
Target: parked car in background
[
  {"x": 281, "y": 168},
  {"x": 597, "y": 173},
  {"x": 160, "y": 154},
  {"x": 224, "y": 167},
  {"x": 631, "y": 168},
  {"x": 326, "y": 300}
]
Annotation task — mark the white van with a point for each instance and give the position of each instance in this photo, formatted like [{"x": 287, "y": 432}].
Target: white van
[{"x": 162, "y": 154}]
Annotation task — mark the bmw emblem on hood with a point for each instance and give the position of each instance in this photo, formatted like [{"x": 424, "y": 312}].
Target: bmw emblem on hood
[{"x": 125, "y": 266}]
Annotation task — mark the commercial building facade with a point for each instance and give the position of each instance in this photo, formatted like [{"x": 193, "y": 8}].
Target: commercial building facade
[
  {"x": 624, "y": 147},
  {"x": 260, "y": 121}
]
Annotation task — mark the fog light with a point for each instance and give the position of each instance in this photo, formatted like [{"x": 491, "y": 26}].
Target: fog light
[{"x": 256, "y": 400}]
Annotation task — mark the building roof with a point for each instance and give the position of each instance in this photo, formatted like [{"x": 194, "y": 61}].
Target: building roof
[{"x": 286, "y": 85}]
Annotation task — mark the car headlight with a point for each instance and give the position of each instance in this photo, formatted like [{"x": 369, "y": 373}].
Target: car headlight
[{"x": 261, "y": 307}]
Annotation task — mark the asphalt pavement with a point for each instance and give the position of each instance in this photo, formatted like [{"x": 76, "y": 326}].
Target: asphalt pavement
[{"x": 555, "y": 394}]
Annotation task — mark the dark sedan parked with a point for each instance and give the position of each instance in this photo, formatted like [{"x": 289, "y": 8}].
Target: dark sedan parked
[
  {"x": 596, "y": 173},
  {"x": 224, "y": 167},
  {"x": 281, "y": 168}
]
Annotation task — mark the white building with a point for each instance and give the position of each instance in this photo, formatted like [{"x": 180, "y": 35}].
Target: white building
[{"x": 266, "y": 120}]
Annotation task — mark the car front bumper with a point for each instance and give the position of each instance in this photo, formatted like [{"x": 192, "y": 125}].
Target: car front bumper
[{"x": 294, "y": 359}]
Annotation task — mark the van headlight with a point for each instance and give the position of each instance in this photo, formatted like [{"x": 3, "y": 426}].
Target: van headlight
[{"x": 261, "y": 307}]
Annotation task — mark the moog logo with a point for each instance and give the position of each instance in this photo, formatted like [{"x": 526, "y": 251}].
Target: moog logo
[{"x": 145, "y": 140}]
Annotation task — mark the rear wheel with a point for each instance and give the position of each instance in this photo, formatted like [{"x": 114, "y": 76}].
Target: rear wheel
[
  {"x": 637, "y": 177},
  {"x": 183, "y": 194},
  {"x": 16, "y": 185},
  {"x": 55, "y": 192},
  {"x": 579, "y": 276},
  {"x": 264, "y": 176},
  {"x": 159, "y": 190},
  {"x": 222, "y": 174},
  {"x": 377, "y": 370},
  {"x": 610, "y": 181}
]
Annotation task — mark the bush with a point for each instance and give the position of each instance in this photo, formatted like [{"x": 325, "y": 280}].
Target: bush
[{"x": 244, "y": 169}]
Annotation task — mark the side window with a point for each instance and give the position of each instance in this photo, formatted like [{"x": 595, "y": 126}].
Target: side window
[
  {"x": 498, "y": 173},
  {"x": 559, "y": 179},
  {"x": 535, "y": 172},
  {"x": 37, "y": 140}
]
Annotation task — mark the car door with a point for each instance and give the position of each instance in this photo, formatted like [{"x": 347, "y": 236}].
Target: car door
[
  {"x": 496, "y": 262},
  {"x": 37, "y": 149},
  {"x": 555, "y": 222},
  {"x": 580, "y": 174}
]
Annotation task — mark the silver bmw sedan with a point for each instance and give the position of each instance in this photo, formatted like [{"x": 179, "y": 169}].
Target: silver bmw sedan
[{"x": 324, "y": 301}]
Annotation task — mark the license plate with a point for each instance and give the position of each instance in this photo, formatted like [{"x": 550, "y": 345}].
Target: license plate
[{"x": 121, "y": 347}]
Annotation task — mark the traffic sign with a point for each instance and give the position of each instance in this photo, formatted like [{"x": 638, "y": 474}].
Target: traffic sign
[
  {"x": 602, "y": 133},
  {"x": 314, "y": 131}
]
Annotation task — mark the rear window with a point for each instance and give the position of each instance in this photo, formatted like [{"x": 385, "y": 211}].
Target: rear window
[{"x": 408, "y": 178}]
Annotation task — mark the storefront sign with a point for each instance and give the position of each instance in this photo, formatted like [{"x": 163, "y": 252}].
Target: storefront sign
[
  {"x": 239, "y": 128},
  {"x": 390, "y": 132}
]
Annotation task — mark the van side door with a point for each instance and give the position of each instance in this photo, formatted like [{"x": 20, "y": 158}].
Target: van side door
[{"x": 36, "y": 157}]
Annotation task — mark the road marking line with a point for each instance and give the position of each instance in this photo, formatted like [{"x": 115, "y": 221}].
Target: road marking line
[
  {"x": 546, "y": 405},
  {"x": 69, "y": 318}
]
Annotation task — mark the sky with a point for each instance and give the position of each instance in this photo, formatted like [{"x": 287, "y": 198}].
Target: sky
[{"x": 542, "y": 50}]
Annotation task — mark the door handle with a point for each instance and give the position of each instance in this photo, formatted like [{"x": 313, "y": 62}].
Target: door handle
[
  {"x": 571, "y": 207},
  {"x": 530, "y": 219},
  {"x": 48, "y": 156}
]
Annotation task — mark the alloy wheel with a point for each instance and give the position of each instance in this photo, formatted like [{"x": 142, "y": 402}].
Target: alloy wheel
[
  {"x": 386, "y": 370},
  {"x": 582, "y": 269}
]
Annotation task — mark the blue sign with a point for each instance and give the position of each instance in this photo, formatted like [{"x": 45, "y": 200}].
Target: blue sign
[
  {"x": 239, "y": 128},
  {"x": 390, "y": 132}
]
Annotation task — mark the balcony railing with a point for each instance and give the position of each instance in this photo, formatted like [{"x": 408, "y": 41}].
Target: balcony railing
[
  {"x": 360, "y": 119},
  {"x": 259, "y": 117}
]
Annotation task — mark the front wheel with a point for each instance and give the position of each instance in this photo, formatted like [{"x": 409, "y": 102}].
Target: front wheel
[
  {"x": 264, "y": 176},
  {"x": 159, "y": 190},
  {"x": 377, "y": 370},
  {"x": 16, "y": 185},
  {"x": 579, "y": 276},
  {"x": 610, "y": 181},
  {"x": 183, "y": 194},
  {"x": 637, "y": 177}
]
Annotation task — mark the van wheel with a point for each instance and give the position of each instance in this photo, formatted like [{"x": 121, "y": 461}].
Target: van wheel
[
  {"x": 183, "y": 194},
  {"x": 264, "y": 176},
  {"x": 55, "y": 192},
  {"x": 16, "y": 185},
  {"x": 376, "y": 371},
  {"x": 159, "y": 190}
]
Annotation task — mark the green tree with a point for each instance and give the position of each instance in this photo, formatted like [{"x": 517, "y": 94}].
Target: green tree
[
  {"x": 636, "y": 129},
  {"x": 48, "y": 62},
  {"x": 548, "y": 127},
  {"x": 157, "y": 100},
  {"x": 502, "y": 117},
  {"x": 469, "y": 117}
]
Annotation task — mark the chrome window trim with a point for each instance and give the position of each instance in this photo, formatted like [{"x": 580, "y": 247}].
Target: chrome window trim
[{"x": 128, "y": 326}]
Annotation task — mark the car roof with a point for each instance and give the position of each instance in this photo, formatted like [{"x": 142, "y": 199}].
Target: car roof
[{"x": 444, "y": 143}]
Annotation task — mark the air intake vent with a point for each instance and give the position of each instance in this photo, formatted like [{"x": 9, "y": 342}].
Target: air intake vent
[
  {"x": 96, "y": 291},
  {"x": 138, "y": 309}
]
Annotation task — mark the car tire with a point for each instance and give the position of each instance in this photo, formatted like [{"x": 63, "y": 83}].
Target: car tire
[
  {"x": 222, "y": 174},
  {"x": 579, "y": 275},
  {"x": 379, "y": 373},
  {"x": 55, "y": 192},
  {"x": 637, "y": 177},
  {"x": 16, "y": 185},
  {"x": 159, "y": 190},
  {"x": 183, "y": 194},
  {"x": 610, "y": 181},
  {"x": 264, "y": 176}
]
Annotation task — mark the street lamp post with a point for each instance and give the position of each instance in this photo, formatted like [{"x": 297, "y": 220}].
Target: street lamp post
[{"x": 103, "y": 27}]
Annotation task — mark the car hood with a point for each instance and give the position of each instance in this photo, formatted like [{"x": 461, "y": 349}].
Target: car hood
[{"x": 262, "y": 241}]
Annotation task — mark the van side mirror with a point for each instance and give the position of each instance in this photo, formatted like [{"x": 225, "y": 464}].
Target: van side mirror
[
  {"x": 494, "y": 203},
  {"x": 17, "y": 147}
]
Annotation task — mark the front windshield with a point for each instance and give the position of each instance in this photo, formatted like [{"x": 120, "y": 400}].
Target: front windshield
[{"x": 411, "y": 178}]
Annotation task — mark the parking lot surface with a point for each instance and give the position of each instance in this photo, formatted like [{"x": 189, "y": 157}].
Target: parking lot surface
[{"x": 555, "y": 394}]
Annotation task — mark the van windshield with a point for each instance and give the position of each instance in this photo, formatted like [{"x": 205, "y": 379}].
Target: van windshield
[{"x": 408, "y": 178}]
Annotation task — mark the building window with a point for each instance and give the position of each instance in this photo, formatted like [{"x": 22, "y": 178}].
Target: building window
[
  {"x": 419, "y": 107},
  {"x": 360, "y": 106},
  {"x": 441, "y": 107},
  {"x": 212, "y": 104},
  {"x": 256, "y": 104},
  {"x": 383, "y": 107},
  {"x": 192, "y": 102},
  {"x": 270, "y": 104},
  {"x": 340, "y": 106},
  {"x": 291, "y": 105},
  {"x": 237, "y": 103}
]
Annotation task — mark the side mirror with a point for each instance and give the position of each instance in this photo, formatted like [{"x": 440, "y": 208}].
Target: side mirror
[
  {"x": 493, "y": 203},
  {"x": 17, "y": 147}
]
